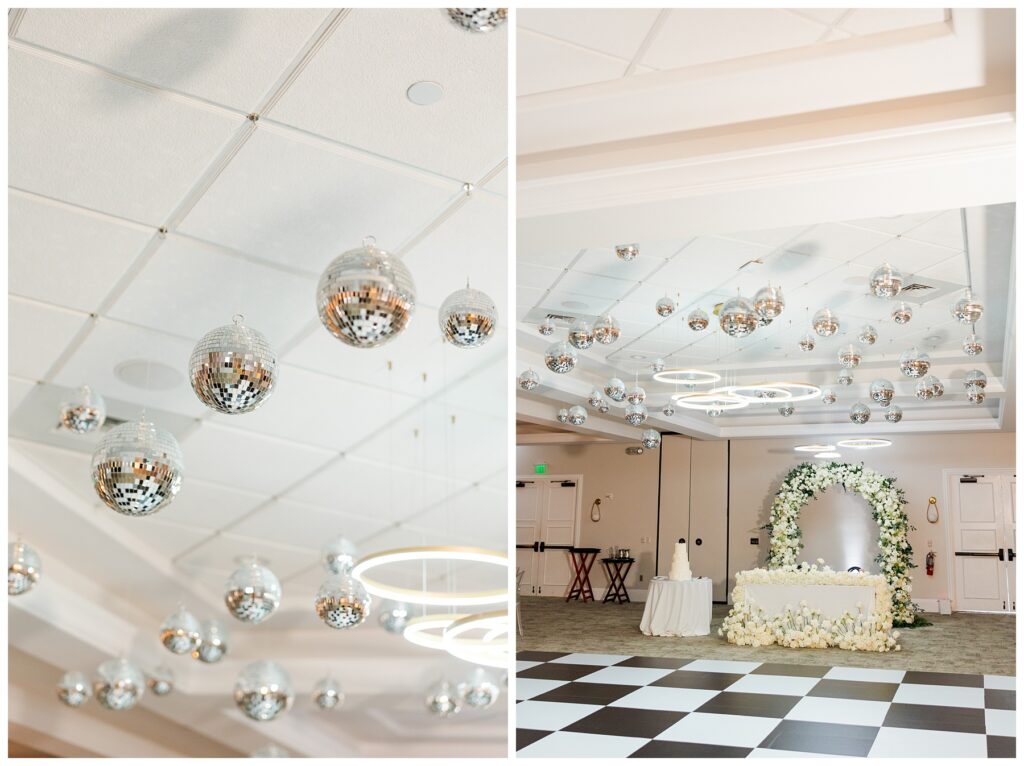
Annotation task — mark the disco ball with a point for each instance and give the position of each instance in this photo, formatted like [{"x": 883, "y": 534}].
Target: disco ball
[
  {"x": 845, "y": 378},
  {"x": 868, "y": 335},
  {"x": 232, "y": 369},
  {"x": 546, "y": 328},
  {"x": 636, "y": 395},
  {"x": 263, "y": 691},
  {"x": 394, "y": 618},
  {"x": 860, "y": 414},
  {"x": 882, "y": 391},
  {"x": 478, "y": 691},
  {"x": 73, "y": 689},
  {"x": 327, "y": 694},
  {"x": 595, "y": 399},
  {"x": 338, "y": 555},
  {"x": 563, "y": 415},
  {"x": 769, "y": 303},
  {"x": 577, "y": 415},
  {"x": 627, "y": 252},
  {"x": 636, "y": 414},
  {"x": 615, "y": 390},
  {"x": 83, "y": 412},
  {"x": 603, "y": 407},
  {"x": 668, "y": 410},
  {"x": 807, "y": 342},
  {"x": 885, "y": 282},
  {"x": 786, "y": 410},
  {"x": 928, "y": 387},
  {"x": 973, "y": 345},
  {"x": 606, "y": 330},
  {"x": 967, "y": 309},
  {"x": 697, "y": 320},
  {"x": 715, "y": 412},
  {"x": 849, "y": 356},
  {"x": 650, "y": 438},
  {"x": 118, "y": 685},
  {"x": 213, "y": 642},
  {"x": 366, "y": 296},
  {"x": 252, "y": 593},
  {"x": 23, "y": 568},
  {"x": 914, "y": 363},
  {"x": 975, "y": 378},
  {"x": 137, "y": 469},
  {"x": 442, "y": 700},
  {"x": 828, "y": 396},
  {"x": 825, "y": 323},
  {"x": 894, "y": 414},
  {"x": 975, "y": 395},
  {"x": 763, "y": 321},
  {"x": 161, "y": 681},
  {"x": 658, "y": 365},
  {"x": 737, "y": 317},
  {"x": 478, "y": 19},
  {"x": 902, "y": 314},
  {"x": 467, "y": 318},
  {"x": 180, "y": 633},
  {"x": 665, "y": 307},
  {"x": 529, "y": 380},
  {"x": 342, "y": 602},
  {"x": 581, "y": 335},
  {"x": 560, "y": 357}
]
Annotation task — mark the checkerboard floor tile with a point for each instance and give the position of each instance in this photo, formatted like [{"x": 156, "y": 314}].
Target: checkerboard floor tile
[{"x": 606, "y": 705}]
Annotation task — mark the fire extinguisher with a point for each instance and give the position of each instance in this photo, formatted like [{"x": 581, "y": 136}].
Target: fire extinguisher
[{"x": 929, "y": 563}]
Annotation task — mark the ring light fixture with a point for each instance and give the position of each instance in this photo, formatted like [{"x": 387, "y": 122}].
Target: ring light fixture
[
  {"x": 418, "y": 629},
  {"x": 832, "y": 453},
  {"x": 427, "y": 597},
  {"x": 865, "y": 443},
  {"x": 809, "y": 391},
  {"x": 783, "y": 394},
  {"x": 708, "y": 401},
  {"x": 689, "y": 377},
  {"x": 815, "y": 448},
  {"x": 489, "y": 650}
]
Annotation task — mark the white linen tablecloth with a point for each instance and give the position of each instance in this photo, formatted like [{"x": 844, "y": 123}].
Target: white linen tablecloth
[
  {"x": 830, "y": 600},
  {"x": 677, "y": 608}
]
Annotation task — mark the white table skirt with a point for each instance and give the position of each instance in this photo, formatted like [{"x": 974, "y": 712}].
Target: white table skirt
[
  {"x": 830, "y": 600},
  {"x": 677, "y": 608}
]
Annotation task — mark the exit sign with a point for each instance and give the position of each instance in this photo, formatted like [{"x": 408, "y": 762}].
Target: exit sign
[{"x": 540, "y": 468}]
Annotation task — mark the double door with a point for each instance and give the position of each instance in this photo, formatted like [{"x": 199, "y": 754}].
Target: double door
[
  {"x": 984, "y": 530},
  {"x": 547, "y": 511}
]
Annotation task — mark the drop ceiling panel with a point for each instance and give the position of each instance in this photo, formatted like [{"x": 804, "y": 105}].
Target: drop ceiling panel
[
  {"x": 476, "y": 392},
  {"x": 944, "y": 229},
  {"x": 302, "y": 525},
  {"x": 530, "y": 275},
  {"x": 907, "y": 255},
  {"x": 123, "y": 150},
  {"x": 604, "y": 262},
  {"x": 217, "y": 557},
  {"x": 566, "y": 303},
  {"x": 615, "y": 31},
  {"x": 37, "y": 335},
  {"x": 168, "y": 539},
  {"x": 706, "y": 263},
  {"x": 17, "y": 390},
  {"x": 71, "y": 469},
  {"x": 593, "y": 285},
  {"x": 209, "y": 505},
  {"x": 471, "y": 68},
  {"x": 546, "y": 64},
  {"x": 895, "y": 224},
  {"x": 838, "y": 242},
  {"x": 866, "y": 21}
]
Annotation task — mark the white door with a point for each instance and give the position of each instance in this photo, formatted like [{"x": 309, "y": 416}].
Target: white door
[
  {"x": 980, "y": 510},
  {"x": 546, "y": 523},
  {"x": 1010, "y": 537},
  {"x": 528, "y": 513}
]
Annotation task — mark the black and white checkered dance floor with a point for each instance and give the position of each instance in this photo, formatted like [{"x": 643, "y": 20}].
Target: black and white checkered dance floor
[{"x": 594, "y": 705}]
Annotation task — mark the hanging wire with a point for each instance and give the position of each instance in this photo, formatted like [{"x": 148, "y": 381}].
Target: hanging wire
[{"x": 967, "y": 252}]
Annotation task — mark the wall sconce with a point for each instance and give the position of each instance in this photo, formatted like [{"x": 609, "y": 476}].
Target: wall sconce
[{"x": 932, "y": 514}]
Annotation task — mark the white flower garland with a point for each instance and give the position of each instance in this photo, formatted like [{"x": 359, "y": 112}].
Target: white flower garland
[{"x": 886, "y": 501}]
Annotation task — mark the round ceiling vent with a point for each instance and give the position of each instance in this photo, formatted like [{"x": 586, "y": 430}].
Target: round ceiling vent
[
  {"x": 424, "y": 93},
  {"x": 152, "y": 376}
]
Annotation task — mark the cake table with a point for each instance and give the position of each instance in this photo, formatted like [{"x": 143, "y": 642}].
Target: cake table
[{"x": 677, "y": 608}]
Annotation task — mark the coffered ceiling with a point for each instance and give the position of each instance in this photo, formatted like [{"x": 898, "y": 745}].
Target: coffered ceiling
[{"x": 172, "y": 168}]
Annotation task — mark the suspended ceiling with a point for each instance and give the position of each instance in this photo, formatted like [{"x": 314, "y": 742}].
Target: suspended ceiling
[{"x": 171, "y": 168}]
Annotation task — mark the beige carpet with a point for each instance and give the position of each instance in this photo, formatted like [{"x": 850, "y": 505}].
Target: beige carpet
[{"x": 958, "y": 643}]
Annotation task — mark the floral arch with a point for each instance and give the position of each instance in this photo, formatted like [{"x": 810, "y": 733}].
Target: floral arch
[{"x": 886, "y": 501}]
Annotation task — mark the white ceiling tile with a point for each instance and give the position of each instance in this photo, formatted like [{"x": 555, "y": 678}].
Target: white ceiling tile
[
  {"x": 952, "y": 269},
  {"x": 894, "y": 224},
  {"x": 168, "y": 539},
  {"x": 471, "y": 68},
  {"x": 943, "y": 229},
  {"x": 615, "y": 31},
  {"x": 771, "y": 237},
  {"x": 218, "y": 555},
  {"x": 126, "y": 151},
  {"x": 594, "y": 285},
  {"x": 823, "y": 15},
  {"x": 301, "y": 205},
  {"x": 838, "y": 242},
  {"x": 603, "y": 261},
  {"x": 305, "y": 526},
  {"x": 484, "y": 391},
  {"x": 907, "y": 255},
  {"x": 70, "y": 468},
  {"x": 866, "y": 21},
  {"x": 706, "y": 264},
  {"x": 499, "y": 184},
  {"x": 210, "y": 505},
  {"x": 17, "y": 390},
  {"x": 530, "y": 275},
  {"x": 231, "y": 56},
  {"x": 544, "y": 64},
  {"x": 37, "y": 335},
  {"x": 560, "y": 301}
]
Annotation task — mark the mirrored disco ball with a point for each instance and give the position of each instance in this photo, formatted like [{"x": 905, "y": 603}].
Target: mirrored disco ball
[
  {"x": 118, "y": 685},
  {"x": 73, "y": 689},
  {"x": 636, "y": 395},
  {"x": 697, "y": 320},
  {"x": 327, "y": 694},
  {"x": 914, "y": 363},
  {"x": 868, "y": 335},
  {"x": 665, "y": 307},
  {"x": 478, "y": 19},
  {"x": 83, "y": 412},
  {"x": 928, "y": 387},
  {"x": 882, "y": 391},
  {"x": 786, "y": 410},
  {"x": 137, "y": 469},
  {"x": 860, "y": 414},
  {"x": 650, "y": 438},
  {"x": 560, "y": 357},
  {"x": 442, "y": 700},
  {"x": 161, "y": 681},
  {"x": 825, "y": 323},
  {"x": 595, "y": 399},
  {"x": 715, "y": 412},
  {"x": 606, "y": 330},
  {"x": 737, "y": 317},
  {"x": 615, "y": 389},
  {"x": 975, "y": 378},
  {"x": 577, "y": 415},
  {"x": 902, "y": 314},
  {"x": 807, "y": 343},
  {"x": 845, "y": 378},
  {"x": 763, "y": 321},
  {"x": 252, "y": 593},
  {"x": 657, "y": 365},
  {"x": 668, "y": 410},
  {"x": 885, "y": 282},
  {"x": 339, "y": 555},
  {"x": 849, "y": 356},
  {"x": 580, "y": 334},
  {"x": 975, "y": 395},
  {"x": 894, "y": 414},
  {"x": 546, "y": 328},
  {"x": 768, "y": 302},
  {"x": 213, "y": 643},
  {"x": 366, "y": 296},
  {"x": 967, "y": 309},
  {"x": 828, "y": 396},
  {"x": 528, "y": 380},
  {"x": 394, "y": 618},
  {"x": 180, "y": 633},
  {"x": 468, "y": 318},
  {"x": 603, "y": 407},
  {"x": 270, "y": 751},
  {"x": 342, "y": 602},
  {"x": 233, "y": 369},
  {"x": 263, "y": 691},
  {"x": 627, "y": 252},
  {"x": 636, "y": 414},
  {"x": 478, "y": 691},
  {"x": 563, "y": 415},
  {"x": 23, "y": 568},
  {"x": 973, "y": 345}
]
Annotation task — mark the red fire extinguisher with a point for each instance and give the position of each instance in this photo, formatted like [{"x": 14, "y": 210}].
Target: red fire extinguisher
[{"x": 929, "y": 563}]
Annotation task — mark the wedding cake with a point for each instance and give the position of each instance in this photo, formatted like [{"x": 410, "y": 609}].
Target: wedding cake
[{"x": 680, "y": 563}]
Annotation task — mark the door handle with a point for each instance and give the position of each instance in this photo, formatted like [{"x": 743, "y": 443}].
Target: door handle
[
  {"x": 1010, "y": 555},
  {"x": 1001, "y": 554},
  {"x": 541, "y": 546},
  {"x": 998, "y": 555},
  {"x": 536, "y": 547}
]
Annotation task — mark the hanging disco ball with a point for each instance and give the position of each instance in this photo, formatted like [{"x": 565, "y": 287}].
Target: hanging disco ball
[
  {"x": 581, "y": 336},
  {"x": 627, "y": 252},
  {"x": 737, "y": 317},
  {"x": 606, "y": 330},
  {"x": 478, "y": 19},
  {"x": 715, "y": 412},
  {"x": 615, "y": 390},
  {"x": 973, "y": 345},
  {"x": 914, "y": 363},
  {"x": 137, "y": 469},
  {"x": 73, "y": 689},
  {"x": 868, "y": 335},
  {"x": 845, "y": 378},
  {"x": 467, "y": 318},
  {"x": 233, "y": 370},
  {"x": 577, "y": 415},
  {"x": 394, "y": 618},
  {"x": 478, "y": 691},
  {"x": 563, "y": 415},
  {"x": 885, "y": 282},
  {"x": 366, "y": 296},
  {"x": 894, "y": 414},
  {"x": 975, "y": 378},
  {"x": 636, "y": 395},
  {"x": 327, "y": 694},
  {"x": 339, "y": 555},
  {"x": 928, "y": 387},
  {"x": 665, "y": 307},
  {"x": 806, "y": 343},
  {"x": 636, "y": 414},
  {"x": 825, "y": 323},
  {"x": 603, "y": 407},
  {"x": 769, "y": 303},
  {"x": 828, "y": 396},
  {"x": 560, "y": 357},
  {"x": 763, "y": 321},
  {"x": 342, "y": 602},
  {"x": 83, "y": 412},
  {"x": 180, "y": 633},
  {"x": 442, "y": 700},
  {"x": 23, "y": 568},
  {"x": 698, "y": 320},
  {"x": 118, "y": 685},
  {"x": 650, "y": 438},
  {"x": 595, "y": 399},
  {"x": 263, "y": 691},
  {"x": 975, "y": 395},
  {"x": 252, "y": 593},
  {"x": 882, "y": 392},
  {"x": 161, "y": 681},
  {"x": 849, "y": 356},
  {"x": 546, "y": 328},
  {"x": 529, "y": 380},
  {"x": 860, "y": 414},
  {"x": 213, "y": 642},
  {"x": 658, "y": 365},
  {"x": 902, "y": 314},
  {"x": 786, "y": 410},
  {"x": 967, "y": 309},
  {"x": 668, "y": 410}
]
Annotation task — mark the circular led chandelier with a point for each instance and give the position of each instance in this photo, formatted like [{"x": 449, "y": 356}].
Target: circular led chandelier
[
  {"x": 737, "y": 397},
  {"x": 865, "y": 443},
  {"x": 490, "y": 649},
  {"x": 431, "y": 553},
  {"x": 710, "y": 401},
  {"x": 687, "y": 377}
]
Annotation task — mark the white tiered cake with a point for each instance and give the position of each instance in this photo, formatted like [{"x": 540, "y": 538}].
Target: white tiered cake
[{"x": 680, "y": 563}]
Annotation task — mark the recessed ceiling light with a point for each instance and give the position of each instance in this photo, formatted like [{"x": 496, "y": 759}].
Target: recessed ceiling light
[
  {"x": 864, "y": 443},
  {"x": 828, "y": 454},
  {"x": 814, "y": 448},
  {"x": 152, "y": 376},
  {"x": 425, "y": 93}
]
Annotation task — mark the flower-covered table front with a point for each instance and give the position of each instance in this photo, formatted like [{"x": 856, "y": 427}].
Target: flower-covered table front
[{"x": 830, "y": 600}]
